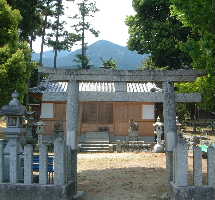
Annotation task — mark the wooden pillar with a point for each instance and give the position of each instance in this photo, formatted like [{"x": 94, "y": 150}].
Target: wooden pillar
[
  {"x": 170, "y": 129},
  {"x": 72, "y": 124}
]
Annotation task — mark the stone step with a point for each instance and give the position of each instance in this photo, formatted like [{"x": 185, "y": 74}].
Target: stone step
[
  {"x": 94, "y": 151},
  {"x": 94, "y": 145},
  {"x": 95, "y": 142},
  {"x": 99, "y": 136}
]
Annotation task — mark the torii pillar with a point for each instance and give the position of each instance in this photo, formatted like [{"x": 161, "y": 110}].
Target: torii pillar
[
  {"x": 170, "y": 129},
  {"x": 72, "y": 116}
]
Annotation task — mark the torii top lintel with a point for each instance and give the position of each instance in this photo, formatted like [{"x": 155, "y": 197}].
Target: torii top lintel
[{"x": 121, "y": 75}]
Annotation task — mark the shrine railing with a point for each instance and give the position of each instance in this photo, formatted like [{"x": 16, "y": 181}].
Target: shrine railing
[{"x": 30, "y": 167}]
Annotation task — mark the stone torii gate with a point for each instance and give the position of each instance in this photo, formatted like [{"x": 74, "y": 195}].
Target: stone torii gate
[{"x": 120, "y": 78}]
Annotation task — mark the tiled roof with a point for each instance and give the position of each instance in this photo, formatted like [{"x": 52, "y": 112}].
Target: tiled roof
[{"x": 56, "y": 87}]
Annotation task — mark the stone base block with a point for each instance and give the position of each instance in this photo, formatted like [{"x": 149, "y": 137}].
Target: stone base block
[
  {"x": 158, "y": 148},
  {"x": 191, "y": 192},
  {"x": 36, "y": 192}
]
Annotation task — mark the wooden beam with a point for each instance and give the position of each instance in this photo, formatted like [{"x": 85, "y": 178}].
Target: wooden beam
[
  {"x": 122, "y": 96},
  {"x": 121, "y": 75}
]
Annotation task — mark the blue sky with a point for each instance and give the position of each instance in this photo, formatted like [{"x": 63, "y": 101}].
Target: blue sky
[{"x": 109, "y": 21}]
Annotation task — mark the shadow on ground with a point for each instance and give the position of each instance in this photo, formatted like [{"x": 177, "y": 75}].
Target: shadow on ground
[{"x": 132, "y": 183}]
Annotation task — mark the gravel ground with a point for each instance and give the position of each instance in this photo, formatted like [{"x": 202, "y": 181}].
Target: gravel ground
[{"x": 122, "y": 176}]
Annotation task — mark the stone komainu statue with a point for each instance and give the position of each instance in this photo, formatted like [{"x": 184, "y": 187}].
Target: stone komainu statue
[{"x": 133, "y": 130}]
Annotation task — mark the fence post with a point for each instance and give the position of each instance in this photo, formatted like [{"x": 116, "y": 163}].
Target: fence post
[
  {"x": 43, "y": 167},
  {"x": 197, "y": 166},
  {"x": 59, "y": 161},
  {"x": 211, "y": 166},
  {"x": 1, "y": 160},
  {"x": 13, "y": 160},
  {"x": 28, "y": 151},
  {"x": 181, "y": 163}
]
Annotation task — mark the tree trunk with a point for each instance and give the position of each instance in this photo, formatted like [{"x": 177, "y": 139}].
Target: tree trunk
[
  {"x": 83, "y": 44},
  {"x": 56, "y": 42},
  {"x": 55, "y": 58},
  {"x": 43, "y": 40},
  {"x": 41, "y": 47},
  {"x": 31, "y": 42}
]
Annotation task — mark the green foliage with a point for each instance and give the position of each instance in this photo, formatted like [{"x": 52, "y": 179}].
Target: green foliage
[
  {"x": 65, "y": 40},
  {"x": 204, "y": 85},
  {"x": 9, "y": 20},
  {"x": 148, "y": 64},
  {"x": 31, "y": 17},
  {"x": 87, "y": 9},
  {"x": 154, "y": 31},
  {"x": 56, "y": 37},
  {"x": 199, "y": 15},
  {"x": 82, "y": 60},
  {"x": 177, "y": 34},
  {"x": 15, "y": 56},
  {"x": 109, "y": 63}
]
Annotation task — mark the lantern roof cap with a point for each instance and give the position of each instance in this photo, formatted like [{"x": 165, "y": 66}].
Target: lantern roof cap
[{"x": 14, "y": 108}]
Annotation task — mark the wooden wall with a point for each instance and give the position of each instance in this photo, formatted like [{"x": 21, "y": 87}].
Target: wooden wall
[
  {"x": 114, "y": 116},
  {"x": 124, "y": 111},
  {"x": 59, "y": 115}
]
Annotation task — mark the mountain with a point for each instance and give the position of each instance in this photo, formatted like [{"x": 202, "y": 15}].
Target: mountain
[{"x": 99, "y": 50}]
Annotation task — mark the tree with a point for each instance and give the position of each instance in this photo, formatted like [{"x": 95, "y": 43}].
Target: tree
[
  {"x": 154, "y": 31},
  {"x": 199, "y": 17},
  {"x": 15, "y": 55},
  {"x": 31, "y": 18},
  {"x": 59, "y": 38},
  {"x": 177, "y": 35},
  {"x": 80, "y": 60},
  {"x": 46, "y": 11},
  {"x": 149, "y": 64},
  {"x": 109, "y": 63},
  {"x": 87, "y": 9}
]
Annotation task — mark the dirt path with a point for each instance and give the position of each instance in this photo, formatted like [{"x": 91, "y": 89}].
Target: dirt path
[{"x": 122, "y": 176}]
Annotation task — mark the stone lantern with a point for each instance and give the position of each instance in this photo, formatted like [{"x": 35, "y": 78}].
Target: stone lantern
[
  {"x": 15, "y": 115},
  {"x": 158, "y": 126},
  {"x": 40, "y": 130},
  {"x": 40, "y": 127}
]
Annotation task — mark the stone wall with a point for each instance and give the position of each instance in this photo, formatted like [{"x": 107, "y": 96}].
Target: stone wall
[
  {"x": 36, "y": 192},
  {"x": 191, "y": 192}
]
